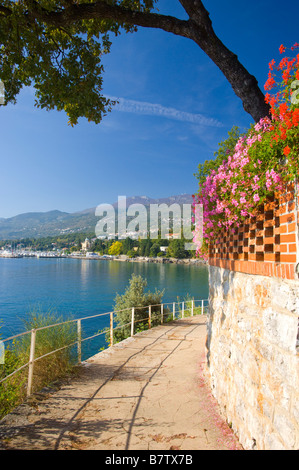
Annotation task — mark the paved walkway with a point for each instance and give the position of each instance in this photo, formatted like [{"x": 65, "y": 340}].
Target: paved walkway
[{"x": 146, "y": 393}]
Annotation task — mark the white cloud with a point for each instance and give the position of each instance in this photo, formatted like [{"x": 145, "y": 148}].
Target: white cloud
[{"x": 150, "y": 109}]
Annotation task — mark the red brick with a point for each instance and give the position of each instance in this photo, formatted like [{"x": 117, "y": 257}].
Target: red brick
[
  {"x": 269, "y": 206},
  {"x": 270, "y": 222},
  {"x": 292, "y": 248},
  {"x": 259, "y": 248},
  {"x": 287, "y": 218},
  {"x": 292, "y": 227},
  {"x": 281, "y": 210},
  {"x": 269, "y": 240},
  {"x": 281, "y": 229},
  {"x": 286, "y": 258},
  {"x": 271, "y": 257},
  {"x": 290, "y": 238}
]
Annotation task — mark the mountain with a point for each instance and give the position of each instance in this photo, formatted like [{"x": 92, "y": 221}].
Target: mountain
[
  {"x": 146, "y": 201},
  {"x": 55, "y": 222}
]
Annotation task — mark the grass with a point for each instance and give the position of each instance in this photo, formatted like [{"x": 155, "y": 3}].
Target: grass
[
  {"x": 46, "y": 370},
  {"x": 188, "y": 307}
]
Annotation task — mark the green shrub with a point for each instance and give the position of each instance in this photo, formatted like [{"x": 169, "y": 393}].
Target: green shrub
[
  {"x": 46, "y": 370},
  {"x": 135, "y": 296},
  {"x": 188, "y": 307}
]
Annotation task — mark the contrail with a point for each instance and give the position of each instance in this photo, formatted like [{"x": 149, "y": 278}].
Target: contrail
[{"x": 150, "y": 109}]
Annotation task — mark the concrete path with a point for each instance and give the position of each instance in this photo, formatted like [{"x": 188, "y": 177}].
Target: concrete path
[{"x": 146, "y": 393}]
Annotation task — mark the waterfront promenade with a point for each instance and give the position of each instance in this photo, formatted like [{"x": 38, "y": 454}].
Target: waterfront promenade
[{"x": 146, "y": 393}]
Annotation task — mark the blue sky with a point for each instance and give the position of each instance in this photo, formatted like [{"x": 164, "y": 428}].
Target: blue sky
[{"x": 175, "y": 106}]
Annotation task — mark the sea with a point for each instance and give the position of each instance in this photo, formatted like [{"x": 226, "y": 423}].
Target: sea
[{"x": 80, "y": 288}]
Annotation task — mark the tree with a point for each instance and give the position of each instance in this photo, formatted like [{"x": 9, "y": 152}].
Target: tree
[
  {"x": 145, "y": 247},
  {"x": 155, "y": 249},
  {"x": 127, "y": 245},
  {"x": 176, "y": 249},
  {"x": 115, "y": 248},
  {"x": 56, "y": 46},
  {"x": 135, "y": 296}
]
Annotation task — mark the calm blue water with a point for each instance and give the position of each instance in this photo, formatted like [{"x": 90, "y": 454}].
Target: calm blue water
[{"x": 85, "y": 287}]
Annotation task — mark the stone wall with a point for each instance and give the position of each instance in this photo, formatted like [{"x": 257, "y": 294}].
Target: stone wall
[{"x": 252, "y": 361}]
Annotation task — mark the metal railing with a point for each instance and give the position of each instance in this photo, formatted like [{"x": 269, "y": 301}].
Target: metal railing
[{"x": 178, "y": 310}]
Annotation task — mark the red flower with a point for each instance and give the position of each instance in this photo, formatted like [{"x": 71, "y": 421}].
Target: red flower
[
  {"x": 286, "y": 150},
  {"x": 282, "y": 49},
  {"x": 295, "y": 117},
  {"x": 283, "y": 108}
]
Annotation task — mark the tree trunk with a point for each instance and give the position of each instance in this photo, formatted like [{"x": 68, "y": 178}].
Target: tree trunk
[{"x": 243, "y": 83}]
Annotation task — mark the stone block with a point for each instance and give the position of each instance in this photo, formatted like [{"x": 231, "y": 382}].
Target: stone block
[{"x": 252, "y": 356}]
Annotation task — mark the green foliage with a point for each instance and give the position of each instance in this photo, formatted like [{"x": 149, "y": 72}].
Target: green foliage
[
  {"x": 176, "y": 249},
  {"x": 60, "y": 59},
  {"x": 131, "y": 254},
  {"x": 72, "y": 242},
  {"x": 115, "y": 249},
  {"x": 46, "y": 370},
  {"x": 13, "y": 390},
  {"x": 48, "y": 243},
  {"x": 226, "y": 148},
  {"x": 188, "y": 306},
  {"x": 155, "y": 249},
  {"x": 127, "y": 245},
  {"x": 135, "y": 296}
]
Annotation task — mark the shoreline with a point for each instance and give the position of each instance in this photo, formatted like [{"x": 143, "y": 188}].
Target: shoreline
[
  {"x": 120, "y": 258},
  {"x": 161, "y": 260}
]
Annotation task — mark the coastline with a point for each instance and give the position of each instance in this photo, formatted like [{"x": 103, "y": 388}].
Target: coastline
[
  {"x": 193, "y": 261},
  {"x": 145, "y": 259},
  {"x": 121, "y": 258}
]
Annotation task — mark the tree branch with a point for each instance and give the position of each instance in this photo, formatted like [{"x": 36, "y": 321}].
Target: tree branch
[
  {"x": 197, "y": 12},
  {"x": 197, "y": 28},
  {"x": 6, "y": 11},
  {"x": 100, "y": 9},
  {"x": 244, "y": 85}
]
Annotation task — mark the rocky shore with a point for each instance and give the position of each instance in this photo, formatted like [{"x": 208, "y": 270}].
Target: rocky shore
[{"x": 143, "y": 259}]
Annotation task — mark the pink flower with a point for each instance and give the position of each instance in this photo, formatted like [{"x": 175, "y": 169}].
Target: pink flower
[{"x": 256, "y": 197}]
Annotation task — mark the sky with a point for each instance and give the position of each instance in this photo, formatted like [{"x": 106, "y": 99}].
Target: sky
[{"x": 175, "y": 106}]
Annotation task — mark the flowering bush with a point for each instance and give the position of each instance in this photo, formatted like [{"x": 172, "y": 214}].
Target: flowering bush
[{"x": 262, "y": 161}]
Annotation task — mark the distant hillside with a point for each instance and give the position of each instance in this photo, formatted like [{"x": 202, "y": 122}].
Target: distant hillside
[{"x": 53, "y": 223}]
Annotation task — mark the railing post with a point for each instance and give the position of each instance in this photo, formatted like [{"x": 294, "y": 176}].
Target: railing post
[
  {"x": 183, "y": 308},
  {"x": 173, "y": 311},
  {"x": 192, "y": 308},
  {"x": 31, "y": 362},
  {"x": 202, "y": 307},
  {"x": 79, "y": 341},
  {"x": 132, "y": 321},
  {"x": 150, "y": 316},
  {"x": 111, "y": 329},
  {"x": 161, "y": 314}
]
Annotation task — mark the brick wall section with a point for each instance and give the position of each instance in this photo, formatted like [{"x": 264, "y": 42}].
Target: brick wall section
[{"x": 266, "y": 244}]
